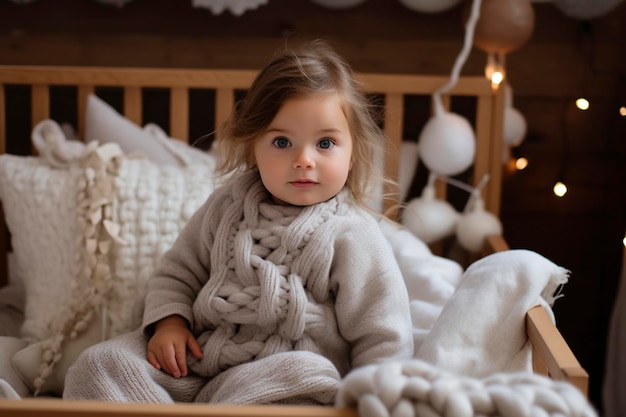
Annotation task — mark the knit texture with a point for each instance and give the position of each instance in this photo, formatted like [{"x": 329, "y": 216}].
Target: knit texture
[
  {"x": 264, "y": 282},
  {"x": 416, "y": 388},
  {"x": 117, "y": 371},
  {"x": 152, "y": 205},
  {"x": 283, "y": 278},
  {"x": 40, "y": 209},
  {"x": 284, "y": 301}
]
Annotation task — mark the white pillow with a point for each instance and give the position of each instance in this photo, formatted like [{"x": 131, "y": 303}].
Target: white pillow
[
  {"x": 182, "y": 150},
  {"x": 104, "y": 124},
  {"x": 150, "y": 204}
]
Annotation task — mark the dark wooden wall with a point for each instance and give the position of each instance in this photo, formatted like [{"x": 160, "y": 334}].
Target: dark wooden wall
[{"x": 564, "y": 57}]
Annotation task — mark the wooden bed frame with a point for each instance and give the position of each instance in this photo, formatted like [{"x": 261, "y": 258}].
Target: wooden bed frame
[{"x": 551, "y": 354}]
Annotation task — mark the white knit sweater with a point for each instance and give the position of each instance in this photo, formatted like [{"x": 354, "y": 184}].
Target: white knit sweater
[{"x": 254, "y": 279}]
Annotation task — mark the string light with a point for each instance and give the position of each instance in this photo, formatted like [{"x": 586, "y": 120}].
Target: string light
[
  {"x": 521, "y": 163},
  {"x": 582, "y": 103},
  {"x": 494, "y": 70},
  {"x": 559, "y": 189},
  {"x": 622, "y": 111}
]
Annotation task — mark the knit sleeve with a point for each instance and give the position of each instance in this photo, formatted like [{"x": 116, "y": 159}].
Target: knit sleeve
[
  {"x": 372, "y": 303},
  {"x": 183, "y": 269}
]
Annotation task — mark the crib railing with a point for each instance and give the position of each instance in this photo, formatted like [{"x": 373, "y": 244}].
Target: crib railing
[{"x": 556, "y": 357}]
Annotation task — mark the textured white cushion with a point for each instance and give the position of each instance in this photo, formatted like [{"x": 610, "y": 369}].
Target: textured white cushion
[
  {"x": 150, "y": 203},
  {"x": 40, "y": 210}
]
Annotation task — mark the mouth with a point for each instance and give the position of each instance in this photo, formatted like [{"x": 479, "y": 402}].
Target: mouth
[{"x": 303, "y": 183}]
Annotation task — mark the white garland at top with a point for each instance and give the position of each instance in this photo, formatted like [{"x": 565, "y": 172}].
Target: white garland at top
[{"x": 577, "y": 9}]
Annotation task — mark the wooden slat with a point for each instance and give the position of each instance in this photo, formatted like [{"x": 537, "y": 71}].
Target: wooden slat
[
  {"x": 224, "y": 102},
  {"x": 133, "y": 105},
  {"x": 179, "y": 113},
  {"x": 4, "y": 269},
  {"x": 235, "y": 79},
  {"x": 67, "y": 408},
  {"x": 538, "y": 366},
  {"x": 130, "y": 77},
  {"x": 394, "y": 105},
  {"x": 495, "y": 243},
  {"x": 554, "y": 352},
  {"x": 4, "y": 250},
  {"x": 40, "y": 105},
  {"x": 406, "y": 84},
  {"x": 441, "y": 187},
  {"x": 83, "y": 94},
  {"x": 496, "y": 165},
  {"x": 3, "y": 121},
  {"x": 483, "y": 141}
]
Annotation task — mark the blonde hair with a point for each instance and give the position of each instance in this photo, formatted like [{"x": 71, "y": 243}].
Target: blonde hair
[{"x": 312, "y": 69}]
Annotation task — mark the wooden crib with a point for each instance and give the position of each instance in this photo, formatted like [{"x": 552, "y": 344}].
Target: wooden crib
[{"x": 551, "y": 354}]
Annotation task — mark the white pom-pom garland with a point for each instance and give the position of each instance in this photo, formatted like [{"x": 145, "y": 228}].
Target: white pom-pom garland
[
  {"x": 447, "y": 144},
  {"x": 428, "y": 218},
  {"x": 473, "y": 227}
]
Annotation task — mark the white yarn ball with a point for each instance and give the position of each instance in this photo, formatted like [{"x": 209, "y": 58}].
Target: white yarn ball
[
  {"x": 430, "y": 6},
  {"x": 447, "y": 144},
  {"x": 514, "y": 127},
  {"x": 338, "y": 4},
  {"x": 430, "y": 219},
  {"x": 473, "y": 228}
]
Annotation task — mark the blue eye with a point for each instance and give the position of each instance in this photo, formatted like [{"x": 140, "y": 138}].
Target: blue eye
[
  {"x": 281, "y": 142},
  {"x": 326, "y": 143}
]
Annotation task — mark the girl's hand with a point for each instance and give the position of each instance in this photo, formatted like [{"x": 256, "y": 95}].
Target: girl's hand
[{"x": 167, "y": 349}]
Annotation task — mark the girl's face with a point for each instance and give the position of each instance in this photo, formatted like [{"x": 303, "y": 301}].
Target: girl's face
[{"x": 304, "y": 155}]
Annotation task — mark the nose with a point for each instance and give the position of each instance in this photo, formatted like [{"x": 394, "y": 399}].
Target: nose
[{"x": 304, "y": 160}]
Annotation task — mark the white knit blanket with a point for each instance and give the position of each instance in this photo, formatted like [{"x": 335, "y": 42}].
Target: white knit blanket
[
  {"x": 416, "y": 388},
  {"x": 475, "y": 359}
]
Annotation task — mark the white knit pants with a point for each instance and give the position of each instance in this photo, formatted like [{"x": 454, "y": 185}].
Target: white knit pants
[{"x": 117, "y": 371}]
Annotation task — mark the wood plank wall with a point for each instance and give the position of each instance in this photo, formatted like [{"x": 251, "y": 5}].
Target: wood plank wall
[{"x": 563, "y": 58}]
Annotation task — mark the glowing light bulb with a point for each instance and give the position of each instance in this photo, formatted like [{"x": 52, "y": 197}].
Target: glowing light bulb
[
  {"x": 521, "y": 163},
  {"x": 496, "y": 78},
  {"x": 494, "y": 70},
  {"x": 624, "y": 241},
  {"x": 622, "y": 111},
  {"x": 559, "y": 189},
  {"x": 582, "y": 103}
]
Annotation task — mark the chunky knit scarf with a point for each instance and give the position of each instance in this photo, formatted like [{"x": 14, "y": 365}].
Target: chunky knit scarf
[{"x": 268, "y": 262}]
